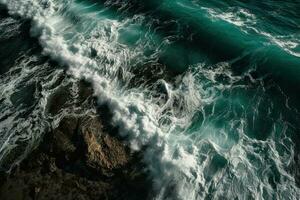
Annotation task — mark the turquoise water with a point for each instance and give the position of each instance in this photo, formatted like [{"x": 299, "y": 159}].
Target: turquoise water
[{"x": 210, "y": 88}]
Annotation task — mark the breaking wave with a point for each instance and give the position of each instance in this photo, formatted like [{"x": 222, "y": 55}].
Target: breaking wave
[{"x": 210, "y": 131}]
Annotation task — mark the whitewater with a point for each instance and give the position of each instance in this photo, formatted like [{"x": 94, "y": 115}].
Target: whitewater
[{"x": 207, "y": 90}]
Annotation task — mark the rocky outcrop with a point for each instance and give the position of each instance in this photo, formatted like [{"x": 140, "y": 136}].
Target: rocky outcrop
[
  {"x": 105, "y": 152},
  {"x": 83, "y": 139},
  {"x": 78, "y": 159}
]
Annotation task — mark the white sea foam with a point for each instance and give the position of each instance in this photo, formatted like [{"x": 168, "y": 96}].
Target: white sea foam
[
  {"x": 239, "y": 17},
  {"x": 181, "y": 161},
  {"x": 248, "y": 23},
  {"x": 19, "y": 133}
]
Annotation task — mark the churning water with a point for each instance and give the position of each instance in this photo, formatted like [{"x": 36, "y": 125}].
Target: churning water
[{"x": 211, "y": 89}]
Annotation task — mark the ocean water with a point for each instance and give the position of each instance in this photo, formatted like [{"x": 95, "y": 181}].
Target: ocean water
[{"x": 210, "y": 90}]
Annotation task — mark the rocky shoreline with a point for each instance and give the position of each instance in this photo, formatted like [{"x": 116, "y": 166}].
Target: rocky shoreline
[{"x": 80, "y": 158}]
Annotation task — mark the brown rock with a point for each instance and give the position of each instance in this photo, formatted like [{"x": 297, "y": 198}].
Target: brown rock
[
  {"x": 63, "y": 138},
  {"x": 78, "y": 159},
  {"x": 105, "y": 152},
  {"x": 101, "y": 168}
]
